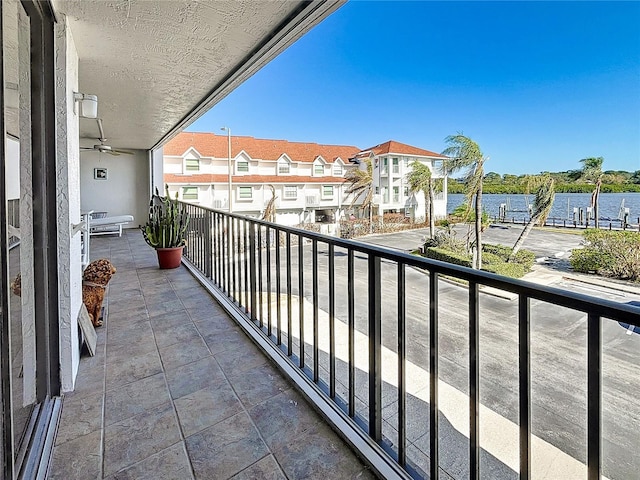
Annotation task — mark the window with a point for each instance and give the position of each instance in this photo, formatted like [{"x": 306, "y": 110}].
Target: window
[
  {"x": 396, "y": 194},
  {"x": 284, "y": 167},
  {"x": 245, "y": 193},
  {"x": 396, "y": 166},
  {"x": 337, "y": 170},
  {"x": 192, "y": 165},
  {"x": 327, "y": 191},
  {"x": 242, "y": 167},
  {"x": 385, "y": 163},
  {"x": 290, "y": 192},
  {"x": 406, "y": 191},
  {"x": 189, "y": 193},
  {"x": 318, "y": 169}
]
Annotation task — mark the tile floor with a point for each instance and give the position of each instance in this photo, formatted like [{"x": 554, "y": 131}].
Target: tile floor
[{"x": 177, "y": 391}]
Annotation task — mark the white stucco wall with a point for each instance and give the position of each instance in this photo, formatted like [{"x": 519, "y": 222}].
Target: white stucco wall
[
  {"x": 157, "y": 174},
  {"x": 126, "y": 189},
  {"x": 12, "y": 165},
  {"x": 68, "y": 205}
]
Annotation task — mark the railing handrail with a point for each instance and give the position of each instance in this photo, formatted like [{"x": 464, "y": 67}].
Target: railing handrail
[{"x": 564, "y": 298}]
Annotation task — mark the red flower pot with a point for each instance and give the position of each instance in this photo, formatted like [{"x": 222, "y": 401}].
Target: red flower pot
[{"x": 169, "y": 257}]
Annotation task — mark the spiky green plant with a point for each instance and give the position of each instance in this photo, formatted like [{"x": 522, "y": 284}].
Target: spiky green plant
[{"x": 167, "y": 223}]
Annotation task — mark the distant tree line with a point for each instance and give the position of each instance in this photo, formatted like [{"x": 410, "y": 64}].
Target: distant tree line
[{"x": 571, "y": 181}]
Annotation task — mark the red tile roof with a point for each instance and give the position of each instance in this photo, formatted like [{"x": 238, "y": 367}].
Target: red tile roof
[
  {"x": 223, "y": 178},
  {"x": 212, "y": 145},
  {"x": 401, "y": 148}
]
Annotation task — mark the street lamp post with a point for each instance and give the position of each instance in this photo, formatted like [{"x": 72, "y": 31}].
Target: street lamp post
[{"x": 228, "y": 130}]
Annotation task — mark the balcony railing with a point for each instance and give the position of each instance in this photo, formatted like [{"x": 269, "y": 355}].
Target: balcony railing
[{"x": 357, "y": 327}]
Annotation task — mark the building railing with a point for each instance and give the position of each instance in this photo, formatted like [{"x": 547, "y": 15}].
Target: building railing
[{"x": 333, "y": 314}]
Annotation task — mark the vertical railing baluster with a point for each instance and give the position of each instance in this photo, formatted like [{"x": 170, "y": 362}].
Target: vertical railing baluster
[
  {"x": 260, "y": 295},
  {"x": 352, "y": 328},
  {"x": 202, "y": 240},
  {"x": 268, "y": 278},
  {"x": 279, "y": 293},
  {"x": 247, "y": 268},
  {"x": 402, "y": 436},
  {"x": 214, "y": 251},
  {"x": 252, "y": 270},
  {"x": 375, "y": 349},
  {"x": 301, "y": 298},
  {"x": 219, "y": 259},
  {"x": 208, "y": 238},
  {"x": 232, "y": 259},
  {"x": 594, "y": 395},
  {"x": 229, "y": 259},
  {"x": 314, "y": 260},
  {"x": 242, "y": 301},
  {"x": 474, "y": 381},
  {"x": 289, "y": 302},
  {"x": 332, "y": 322},
  {"x": 524, "y": 362},
  {"x": 434, "y": 420}
]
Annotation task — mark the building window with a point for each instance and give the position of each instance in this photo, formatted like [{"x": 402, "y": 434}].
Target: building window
[
  {"x": 242, "y": 167},
  {"x": 284, "y": 168},
  {"x": 384, "y": 166},
  {"x": 406, "y": 191},
  {"x": 290, "y": 192},
  {"x": 396, "y": 166},
  {"x": 337, "y": 170},
  {"x": 192, "y": 165},
  {"x": 245, "y": 193},
  {"x": 189, "y": 193},
  {"x": 318, "y": 169},
  {"x": 327, "y": 191},
  {"x": 396, "y": 194}
]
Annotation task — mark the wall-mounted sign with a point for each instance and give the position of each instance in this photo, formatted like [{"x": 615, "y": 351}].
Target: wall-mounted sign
[{"x": 100, "y": 173}]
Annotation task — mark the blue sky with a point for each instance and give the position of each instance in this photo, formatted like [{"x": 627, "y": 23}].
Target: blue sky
[{"x": 539, "y": 85}]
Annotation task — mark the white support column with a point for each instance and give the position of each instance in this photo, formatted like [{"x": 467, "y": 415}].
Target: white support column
[{"x": 68, "y": 205}]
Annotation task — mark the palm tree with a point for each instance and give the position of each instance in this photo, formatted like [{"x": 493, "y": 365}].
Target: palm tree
[
  {"x": 465, "y": 155},
  {"x": 545, "y": 194},
  {"x": 269, "y": 214},
  {"x": 361, "y": 184},
  {"x": 592, "y": 172},
  {"x": 419, "y": 180}
]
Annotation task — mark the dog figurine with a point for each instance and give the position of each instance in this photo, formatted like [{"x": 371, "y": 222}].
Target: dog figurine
[
  {"x": 16, "y": 285},
  {"x": 94, "y": 282}
]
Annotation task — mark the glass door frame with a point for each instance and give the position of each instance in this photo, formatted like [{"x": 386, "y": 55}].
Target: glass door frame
[{"x": 46, "y": 413}]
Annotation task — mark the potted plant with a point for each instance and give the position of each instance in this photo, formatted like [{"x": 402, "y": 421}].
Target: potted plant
[{"x": 166, "y": 228}]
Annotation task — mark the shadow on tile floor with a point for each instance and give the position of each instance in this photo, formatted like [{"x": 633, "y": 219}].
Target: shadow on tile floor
[{"x": 177, "y": 391}]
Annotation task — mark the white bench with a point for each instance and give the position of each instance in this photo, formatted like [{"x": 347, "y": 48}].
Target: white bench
[{"x": 109, "y": 225}]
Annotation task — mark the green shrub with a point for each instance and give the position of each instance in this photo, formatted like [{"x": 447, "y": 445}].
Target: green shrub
[
  {"x": 513, "y": 270},
  {"x": 610, "y": 253},
  {"x": 491, "y": 258},
  {"x": 447, "y": 256},
  {"x": 524, "y": 257},
  {"x": 587, "y": 260}
]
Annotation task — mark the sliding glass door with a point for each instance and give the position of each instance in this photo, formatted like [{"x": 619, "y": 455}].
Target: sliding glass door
[{"x": 28, "y": 298}]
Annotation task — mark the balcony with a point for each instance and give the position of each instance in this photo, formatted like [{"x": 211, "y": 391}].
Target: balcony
[
  {"x": 176, "y": 387},
  {"x": 406, "y": 365}
]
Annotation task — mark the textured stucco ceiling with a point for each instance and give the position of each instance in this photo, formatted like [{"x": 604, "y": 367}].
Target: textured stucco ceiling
[{"x": 155, "y": 65}]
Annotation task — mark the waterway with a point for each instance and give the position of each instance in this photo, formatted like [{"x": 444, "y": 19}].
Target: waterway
[{"x": 563, "y": 206}]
